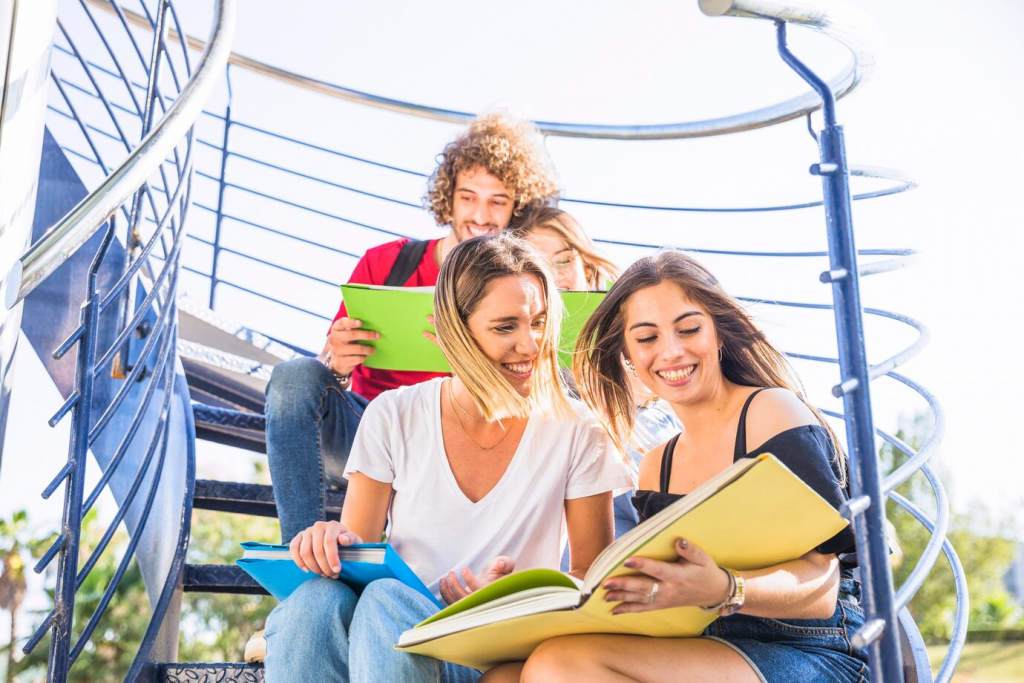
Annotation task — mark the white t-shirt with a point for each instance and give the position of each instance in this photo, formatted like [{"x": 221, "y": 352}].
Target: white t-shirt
[{"x": 435, "y": 528}]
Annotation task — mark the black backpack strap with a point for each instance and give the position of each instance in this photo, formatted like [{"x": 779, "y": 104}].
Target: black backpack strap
[{"x": 408, "y": 261}]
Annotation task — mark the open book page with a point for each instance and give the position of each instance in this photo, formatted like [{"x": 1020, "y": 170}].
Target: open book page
[
  {"x": 507, "y": 588},
  {"x": 531, "y": 601},
  {"x": 755, "y": 514},
  {"x": 627, "y": 544}
]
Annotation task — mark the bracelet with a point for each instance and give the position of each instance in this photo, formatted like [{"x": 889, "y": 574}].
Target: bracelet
[
  {"x": 343, "y": 380},
  {"x": 733, "y": 602}
]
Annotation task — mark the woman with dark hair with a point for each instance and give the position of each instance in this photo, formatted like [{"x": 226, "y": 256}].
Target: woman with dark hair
[
  {"x": 472, "y": 476},
  {"x": 695, "y": 347}
]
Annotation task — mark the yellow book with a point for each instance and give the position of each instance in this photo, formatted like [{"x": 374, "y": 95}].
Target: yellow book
[{"x": 754, "y": 514}]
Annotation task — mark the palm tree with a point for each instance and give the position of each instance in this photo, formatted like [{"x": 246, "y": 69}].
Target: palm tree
[{"x": 12, "y": 575}]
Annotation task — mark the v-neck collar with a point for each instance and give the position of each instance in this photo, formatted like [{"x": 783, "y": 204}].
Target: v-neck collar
[{"x": 443, "y": 455}]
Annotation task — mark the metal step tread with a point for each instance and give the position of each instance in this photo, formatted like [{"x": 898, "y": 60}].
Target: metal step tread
[
  {"x": 249, "y": 499},
  {"x": 201, "y": 672},
  {"x": 220, "y": 578}
]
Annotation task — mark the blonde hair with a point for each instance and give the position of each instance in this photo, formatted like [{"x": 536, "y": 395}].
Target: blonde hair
[
  {"x": 598, "y": 269},
  {"x": 465, "y": 275},
  {"x": 510, "y": 150},
  {"x": 748, "y": 358}
]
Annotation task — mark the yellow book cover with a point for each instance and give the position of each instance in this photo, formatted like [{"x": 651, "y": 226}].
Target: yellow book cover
[{"x": 754, "y": 514}]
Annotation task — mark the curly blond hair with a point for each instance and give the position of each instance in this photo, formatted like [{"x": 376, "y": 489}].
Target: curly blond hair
[{"x": 509, "y": 149}]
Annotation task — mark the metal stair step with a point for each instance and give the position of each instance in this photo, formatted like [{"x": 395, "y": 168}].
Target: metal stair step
[
  {"x": 249, "y": 499},
  {"x": 220, "y": 578},
  {"x": 224, "y": 672}
]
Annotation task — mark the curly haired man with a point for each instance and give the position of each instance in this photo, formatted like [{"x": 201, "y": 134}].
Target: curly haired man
[{"x": 485, "y": 177}]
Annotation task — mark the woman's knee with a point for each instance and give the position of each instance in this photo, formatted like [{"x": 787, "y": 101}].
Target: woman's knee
[{"x": 554, "y": 661}]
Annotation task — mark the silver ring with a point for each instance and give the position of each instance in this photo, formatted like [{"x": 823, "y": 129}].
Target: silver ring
[{"x": 653, "y": 594}]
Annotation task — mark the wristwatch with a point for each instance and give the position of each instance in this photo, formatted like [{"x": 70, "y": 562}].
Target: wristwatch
[
  {"x": 343, "y": 380},
  {"x": 733, "y": 603}
]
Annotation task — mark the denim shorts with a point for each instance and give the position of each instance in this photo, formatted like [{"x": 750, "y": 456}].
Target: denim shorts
[{"x": 800, "y": 649}]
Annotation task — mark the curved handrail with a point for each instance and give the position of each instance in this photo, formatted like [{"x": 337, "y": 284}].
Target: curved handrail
[
  {"x": 836, "y": 19},
  {"x": 57, "y": 245}
]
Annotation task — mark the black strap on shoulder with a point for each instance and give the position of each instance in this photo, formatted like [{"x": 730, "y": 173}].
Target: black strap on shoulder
[
  {"x": 408, "y": 261},
  {"x": 666, "y": 462},
  {"x": 740, "y": 451}
]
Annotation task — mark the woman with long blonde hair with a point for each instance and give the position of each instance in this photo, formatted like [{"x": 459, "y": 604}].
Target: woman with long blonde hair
[{"x": 471, "y": 477}]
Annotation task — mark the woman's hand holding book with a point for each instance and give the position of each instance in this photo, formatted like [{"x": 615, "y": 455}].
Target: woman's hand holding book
[
  {"x": 692, "y": 580},
  {"x": 453, "y": 590},
  {"x": 316, "y": 549}
]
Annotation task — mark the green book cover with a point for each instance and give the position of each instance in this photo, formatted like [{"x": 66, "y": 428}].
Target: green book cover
[
  {"x": 400, "y": 315},
  {"x": 578, "y": 308}
]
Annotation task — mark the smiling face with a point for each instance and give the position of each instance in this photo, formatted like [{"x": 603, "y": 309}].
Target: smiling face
[
  {"x": 508, "y": 325},
  {"x": 671, "y": 340},
  {"x": 480, "y": 205},
  {"x": 566, "y": 264}
]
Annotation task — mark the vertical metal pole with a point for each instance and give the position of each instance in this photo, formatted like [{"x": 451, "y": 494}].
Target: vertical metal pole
[
  {"x": 132, "y": 241},
  {"x": 220, "y": 194},
  {"x": 880, "y": 632},
  {"x": 74, "y": 489}
]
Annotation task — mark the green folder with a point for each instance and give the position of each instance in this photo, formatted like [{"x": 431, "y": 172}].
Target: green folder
[
  {"x": 400, "y": 315},
  {"x": 578, "y": 308}
]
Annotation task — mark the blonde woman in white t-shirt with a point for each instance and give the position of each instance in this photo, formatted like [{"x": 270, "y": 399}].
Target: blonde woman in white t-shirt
[{"x": 473, "y": 477}]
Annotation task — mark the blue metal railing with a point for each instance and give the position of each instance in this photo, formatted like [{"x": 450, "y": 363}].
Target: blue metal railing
[{"x": 129, "y": 404}]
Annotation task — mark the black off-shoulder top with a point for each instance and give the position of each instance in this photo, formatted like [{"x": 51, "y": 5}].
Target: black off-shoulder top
[{"x": 806, "y": 450}]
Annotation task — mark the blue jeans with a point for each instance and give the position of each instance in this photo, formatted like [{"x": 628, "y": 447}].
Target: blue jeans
[
  {"x": 787, "y": 650},
  {"x": 311, "y": 423},
  {"x": 325, "y": 632}
]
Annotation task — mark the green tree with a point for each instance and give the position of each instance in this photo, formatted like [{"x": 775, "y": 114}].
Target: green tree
[
  {"x": 214, "y": 627},
  {"x": 12, "y": 576},
  {"x": 983, "y": 544}
]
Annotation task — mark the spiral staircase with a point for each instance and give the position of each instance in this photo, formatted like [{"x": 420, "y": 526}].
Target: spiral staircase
[{"x": 144, "y": 190}]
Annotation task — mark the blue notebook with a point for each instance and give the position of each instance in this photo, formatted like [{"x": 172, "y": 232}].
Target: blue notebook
[{"x": 273, "y": 568}]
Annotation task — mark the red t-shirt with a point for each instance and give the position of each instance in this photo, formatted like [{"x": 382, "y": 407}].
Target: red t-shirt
[{"x": 373, "y": 269}]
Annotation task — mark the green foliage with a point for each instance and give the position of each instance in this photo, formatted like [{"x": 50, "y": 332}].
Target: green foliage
[
  {"x": 213, "y": 627},
  {"x": 983, "y": 544},
  {"x": 111, "y": 649}
]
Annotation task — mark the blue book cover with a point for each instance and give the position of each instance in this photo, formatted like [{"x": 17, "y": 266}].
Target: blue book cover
[{"x": 274, "y": 569}]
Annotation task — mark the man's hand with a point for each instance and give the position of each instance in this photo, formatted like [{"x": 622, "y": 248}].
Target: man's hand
[
  {"x": 342, "y": 342},
  {"x": 316, "y": 549},
  {"x": 432, "y": 336},
  {"x": 452, "y": 589}
]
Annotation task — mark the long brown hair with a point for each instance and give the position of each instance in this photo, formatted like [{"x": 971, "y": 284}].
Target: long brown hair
[
  {"x": 467, "y": 271},
  {"x": 748, "y": 358},
  {"x": 598, "y": 269}
]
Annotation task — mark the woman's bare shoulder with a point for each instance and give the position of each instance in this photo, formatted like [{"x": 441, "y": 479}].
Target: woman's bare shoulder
[
  {"x": 650, "y": 468},
  {"x": 774, "y": 411}
]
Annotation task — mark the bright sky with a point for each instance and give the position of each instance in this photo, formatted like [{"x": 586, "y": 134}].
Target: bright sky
[{"x": 944, "y": 105}]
